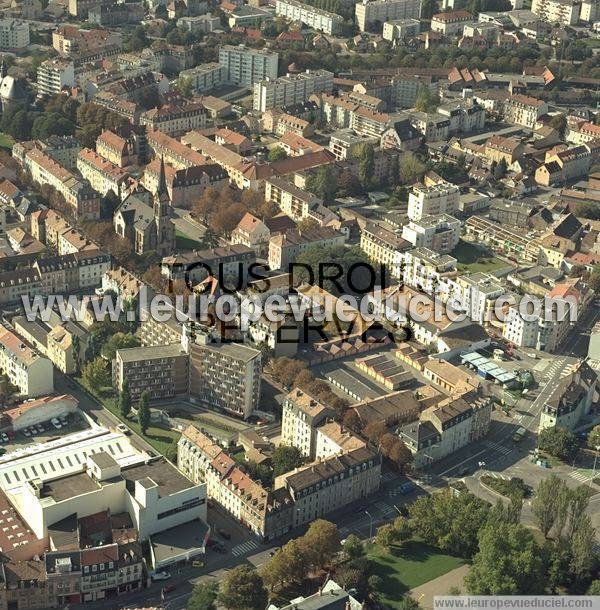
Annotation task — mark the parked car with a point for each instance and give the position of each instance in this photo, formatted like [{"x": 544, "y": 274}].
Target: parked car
[
  {"x": 123, "y": 428},
  {"x": 4, "y": 438},
  {"x": 169, "y": 588},
  {"x": 56, "y": 423},
  {"x": 40, "y": 428},
  {"x": 161, "y": 575},
  {"x": 26, "y": 432},
  {"x": 63, "y": 420},
  {"x": 224, "y": 534}
]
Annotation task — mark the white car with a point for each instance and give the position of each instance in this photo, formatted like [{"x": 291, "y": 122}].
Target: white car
[
  {"x": 26, "y": 432},
  {"x": 56, "y": 423},
  {"x": 4, "y": 438},
  {"x": 161, "y": 576},
  {"x": 123, "y": 428}
]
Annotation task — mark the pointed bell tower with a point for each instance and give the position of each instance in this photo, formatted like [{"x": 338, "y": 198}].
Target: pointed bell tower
[{"x": 162, "y": 213}]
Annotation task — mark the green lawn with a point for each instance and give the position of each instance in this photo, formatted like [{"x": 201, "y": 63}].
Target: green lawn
[
  {"x": 6, "y": 141},
  {"x": 472, "y": 259},
  {"x": 593, "y": 43},
  {"x": 184, "y": 242},
  {"x": 160, "y": 438},
  {"x": 407, "y": 567}
]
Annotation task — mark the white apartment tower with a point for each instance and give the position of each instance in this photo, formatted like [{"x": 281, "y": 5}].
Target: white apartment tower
[
  {"x": 53, "y": 75},
  {"x": 433, "y": 200},
  {"x": 374, "y": 14},
  {"x": 247, "y": 66}
]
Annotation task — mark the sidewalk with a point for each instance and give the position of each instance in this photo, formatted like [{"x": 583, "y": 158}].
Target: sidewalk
[{"x": 424, "y": 594}]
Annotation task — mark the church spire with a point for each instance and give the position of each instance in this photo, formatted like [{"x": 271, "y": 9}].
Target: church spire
[{"x": 162, "y": 179}]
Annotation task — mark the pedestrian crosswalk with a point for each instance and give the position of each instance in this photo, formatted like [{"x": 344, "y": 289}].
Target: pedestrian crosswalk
[
  {"x": 244, "y": 547},
  {"x": 343, "y": 532},
  {"x": 581, "y": 476},
  {"x": 497, "y": 447},
  {"x": 385, "y": 508},
  {"x": 386, "y": 477}
]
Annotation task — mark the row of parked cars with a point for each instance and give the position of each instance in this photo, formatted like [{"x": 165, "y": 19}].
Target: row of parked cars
[{"x": 55, "y": 422}]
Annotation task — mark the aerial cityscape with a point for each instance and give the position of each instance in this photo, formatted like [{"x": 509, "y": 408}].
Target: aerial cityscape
[{"x": 300, "y": 304}]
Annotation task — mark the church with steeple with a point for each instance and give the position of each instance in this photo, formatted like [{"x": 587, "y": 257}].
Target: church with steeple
[{"x": 145, "y": 219}]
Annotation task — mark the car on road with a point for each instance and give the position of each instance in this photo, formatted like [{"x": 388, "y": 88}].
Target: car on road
[
  {"x": 519, "y": 435},
  {"x": 161, "y": 575},
  {"x": 169, "y": 588},
  {"x": 463, "y": 472},
  {"x": 224, "y": 534},
  {"x": 123, "y": 428},
  {"x": 197, "y": 564}
]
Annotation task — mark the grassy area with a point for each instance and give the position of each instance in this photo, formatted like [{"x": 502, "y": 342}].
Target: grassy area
[
  {"x": 472, "y": 258},
  {"x": 160, "y": 438},
  {"x": 407, "y": 567},
  {"x": 184, "y": 242},
  {"x": 592, "y": 43},
  {"x": 6, "y": 141}
]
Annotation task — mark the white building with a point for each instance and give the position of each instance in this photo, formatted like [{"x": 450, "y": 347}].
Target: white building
[
  {"x": 246, "y": 66},
  {"x": 564, "y": 12},
  {"x": 590, "y": 11},
  {"x": 313, "y": 17},
  {"x": 524, "y": 110},
  {"x": 442, "y": 198},
  {"x": 438, "y": 233},
  {"x": 301, "y": 416},
  {"x": 429, "y": 271},
  {"x": 399, "y": 29},
  {"x": 291, "y": 89},
  {"x": 25, "y": 368},
  {"x": 55, "y": 74},
  {"x": 370, "y": 15},
  {"x": 14, "y": 34},
  {"x": 206, "y": 76}
]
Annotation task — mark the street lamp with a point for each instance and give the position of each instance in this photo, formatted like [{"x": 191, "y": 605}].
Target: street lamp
[
  {"x": 595, "y": 460},
  {"x": 371, "y": 524},
  {"x": 481, "y": 467}
]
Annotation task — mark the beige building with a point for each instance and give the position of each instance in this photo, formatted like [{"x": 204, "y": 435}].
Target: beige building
[
  {"x": 332, "y": 483},
  {"x": 104, "y": 176},
  {"x": 24, "y": 367},
  {"x": 383, "y": 247},
  {"x": 524, "y": 110},
  {"x": 175, "y": 119},
  {"x": 451, "y": 23},
  {"x": 315, "y": 18},
  {"x": 293, "y": 201},
  {"x": 285, "y": 248},
  {"x": 119, "y": 151},
  {"x": 563, "y": 12}
]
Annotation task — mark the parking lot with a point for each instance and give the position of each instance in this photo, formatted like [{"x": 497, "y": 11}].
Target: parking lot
[{"x": 43, "y": 432}]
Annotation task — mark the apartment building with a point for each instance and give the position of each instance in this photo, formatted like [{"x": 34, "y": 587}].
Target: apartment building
[
  {"x": 429, "y": 271},
  {"x": 571, "y": 398},
  {"x": 224, "y": 376},
  {"x": 78, "y": 193},
  {"x": 54, "y": 75},
  {"x": 63, "y": 149},
  {"x": 291, "y": 89},
  {"x": 451, "y": 23},
  {"x": 477, "y": 294},
  {"x": 301, "y": 416},
  {"x": 115, "y": 14},
  {"x": 383, "y": 247},
  {"x": 500, "y": 147},
  {"x": 447, "y": 427},
  {"x": 173, "y": 152},
  {"x": 331, "y": 483},
  {"x": 345, "y": 144},
  {"x": 435, "y": 127},
  {"x": 524, "y": 110},
  {"x": 70, "y": 40},
  {"x": 293, "y": 201},
  {"x": 441, "y": 198},
  {"x": 565, "y": 12},
  {"x": 24, "y": 367},
  {"x": 184, "y": 186},
  {"x": 401, "y": 29},
  {"x": 251, "y": 232},
  {"x": 561, "y": 165},
  {"x": 335, "y": 439},
  {"x": 285, "y": 248},
  {"x": 246, "y": 66},
  {"x": 18, "y": 283},
  {"x": 315, "y": 18},
  {"x": 118, "y": 150},
  {"x": 583, "y": 133},
  {"x": 465, "y": 116},
  {"x": 370, "y": 15},
  {"x": 590, "y": 11},
  {"x": 200, "y": 23},
  {"x": 438, "y": 233},
  {"x": 368, "y": 122},
  {"x": 80, "y": 8},
  {"x": 104, "y": 177},
  {"x": 267, "y": 514},
  {"x": 175, "y": 119},
  {"x": 452, "y": 379},
  {"x": 14, "y": 35},
  {"x": 206, "y": 76}
]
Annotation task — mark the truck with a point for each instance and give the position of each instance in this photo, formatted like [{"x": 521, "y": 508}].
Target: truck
[{"x": 519, "y": 435}]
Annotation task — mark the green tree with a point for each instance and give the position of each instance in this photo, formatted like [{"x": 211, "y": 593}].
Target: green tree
[
  {"x": 409, "y": 603},
  {"x": 594, "y": 588},
  {"x": 243, "y": 589},
  {"x": 96, "y": 374},
  {"x": 285, "y": 458},
  {"x": 546, "y": 504},
  {"x": 353, "y": 547},
  {"x": 323, "y": 541},
  {"x": 508, "y": 562},
  {"x": 289, "y": 565},
  {"x": 386, "y": 536},
  {"x": 583, "y": 559},
  {"x": 277, "y": 153},
  {"x": 426, "y": 100},
  {"x": 118, "y": 341},
  {"x": 559, "y": 122},
  {"x": 559, "y": 442},
  {"x": 185, "y": 86},
  {"x": 144, "y": 412},
  {"x": 204, "y": 596},
  {"x": 323, "y": 183},
  {"x": 366, "y": 164},
  {"x": 403, "y": 528},
  {"x": 593, "y": 440},
  {"x": 125, "y": 399},
  {"x": 411, "y": 169},
  {"x": 500, "y": 169}
]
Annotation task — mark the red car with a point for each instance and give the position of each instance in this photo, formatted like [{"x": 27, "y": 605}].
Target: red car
[{"x": 168, "y": 588}]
